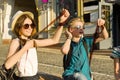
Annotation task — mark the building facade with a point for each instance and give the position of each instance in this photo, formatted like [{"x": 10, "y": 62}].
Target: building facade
[{"x": 47, "y": 10}]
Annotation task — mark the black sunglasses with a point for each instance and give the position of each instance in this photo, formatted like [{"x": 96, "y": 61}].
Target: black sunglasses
[{"x": 26, "y": 26}]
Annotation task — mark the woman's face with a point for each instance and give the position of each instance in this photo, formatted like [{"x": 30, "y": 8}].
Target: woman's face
[
  {"x": 77, "y": 29},
  {"x": 27, "y": 28}
]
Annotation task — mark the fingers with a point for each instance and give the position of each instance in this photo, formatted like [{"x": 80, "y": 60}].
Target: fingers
[
  {"x": 65, "y": 12},
  {"x": 68, "y": 34},
  {"x": 101, "y": 22},
  {"x": 65, "y": 15}
]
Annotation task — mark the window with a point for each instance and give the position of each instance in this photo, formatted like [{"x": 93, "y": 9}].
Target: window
[{"x": 105, "y": 12}]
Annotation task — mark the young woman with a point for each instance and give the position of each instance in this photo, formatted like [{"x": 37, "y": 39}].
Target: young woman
[
  {"x": 22, "y": 49},
  {"x": 76, "y": 62}
]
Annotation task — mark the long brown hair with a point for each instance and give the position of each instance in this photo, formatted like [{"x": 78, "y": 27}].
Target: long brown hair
[{"x": 20, "y": 22}]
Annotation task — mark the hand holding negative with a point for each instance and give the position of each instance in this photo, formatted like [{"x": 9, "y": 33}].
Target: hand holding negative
[
  {"x": 68, "y": 34},
  {"x": 64, "y": 16},
  {"x": 101, "y": 22}
]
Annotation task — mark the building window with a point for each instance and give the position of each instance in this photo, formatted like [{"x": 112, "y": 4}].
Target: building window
[
  {"x": 87, "y": 17},
  {"x": 105, "y": 12}
]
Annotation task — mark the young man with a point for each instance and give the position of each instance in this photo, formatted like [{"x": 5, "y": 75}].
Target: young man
[{"x": 76, "y": 62}]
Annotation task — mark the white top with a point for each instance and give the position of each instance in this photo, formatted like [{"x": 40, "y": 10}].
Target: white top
[{"x": 28, "y": 64}]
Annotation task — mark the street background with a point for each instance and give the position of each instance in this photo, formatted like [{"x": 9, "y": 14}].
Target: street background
[
  {"x": 50, "y": 58},
  {"x": 50, "y": 63}
]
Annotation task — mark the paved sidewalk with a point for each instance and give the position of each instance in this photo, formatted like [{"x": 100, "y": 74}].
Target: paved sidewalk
[
  {"x": 50, "y": 63},
  {"x": 102, "y": 64}
]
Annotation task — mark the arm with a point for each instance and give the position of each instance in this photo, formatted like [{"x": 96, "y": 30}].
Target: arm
[
  {"x": 14, "y": 54},
  {"x": 104, "y": 34},
  {"x": 66, "y": 47},
  {"x": 56, "y": 37}
]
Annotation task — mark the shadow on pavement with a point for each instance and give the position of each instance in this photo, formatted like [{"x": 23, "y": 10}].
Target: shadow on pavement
[{"x": 44, "y": 76}]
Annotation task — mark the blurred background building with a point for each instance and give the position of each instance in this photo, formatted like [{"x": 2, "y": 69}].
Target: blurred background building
[{"x": 47, "y": 10}]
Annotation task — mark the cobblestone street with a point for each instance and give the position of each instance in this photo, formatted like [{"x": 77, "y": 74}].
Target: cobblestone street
[{"x": 50, "y": 63}]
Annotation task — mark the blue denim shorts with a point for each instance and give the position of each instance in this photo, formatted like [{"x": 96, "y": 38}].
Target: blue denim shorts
[{"x": 115, "y": 52}]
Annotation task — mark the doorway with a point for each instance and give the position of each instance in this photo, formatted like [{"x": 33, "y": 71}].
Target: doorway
[{"x": 116, "y": 25}]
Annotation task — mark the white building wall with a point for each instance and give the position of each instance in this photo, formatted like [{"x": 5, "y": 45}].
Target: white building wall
[
  {"x": 10, "y": 9},
  {"x": 1, "y": 21},
  {"x": 91, "y": 27},
  {"x": 45, "y": 16},
  {"x": 1, "y": 14},
  {"x": 7, "y": 20}
]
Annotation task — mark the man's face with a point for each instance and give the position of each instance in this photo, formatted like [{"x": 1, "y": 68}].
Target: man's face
[{"x": 77, "y": 29}]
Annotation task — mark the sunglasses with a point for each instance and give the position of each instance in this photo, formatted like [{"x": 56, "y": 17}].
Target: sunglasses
[
  {"x": 26, "y": 26},
  {"x": 79, "y": 27}
]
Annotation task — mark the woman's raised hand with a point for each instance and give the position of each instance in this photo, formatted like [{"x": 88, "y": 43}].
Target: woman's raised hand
[{"x": 64, "y": 16}]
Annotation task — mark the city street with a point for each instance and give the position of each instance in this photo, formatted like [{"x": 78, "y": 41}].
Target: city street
[
  {"x": 50, "y": 63},
  {"x": 47, "y": 17}
]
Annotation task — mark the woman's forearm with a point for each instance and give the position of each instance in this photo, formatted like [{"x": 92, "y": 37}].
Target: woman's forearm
[
  {"x": 57, "y": 34},
  {"x": 13, "y": 59}
]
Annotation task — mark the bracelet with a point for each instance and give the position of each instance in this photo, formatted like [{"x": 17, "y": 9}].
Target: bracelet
[{"x": 61, "y": 24}]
